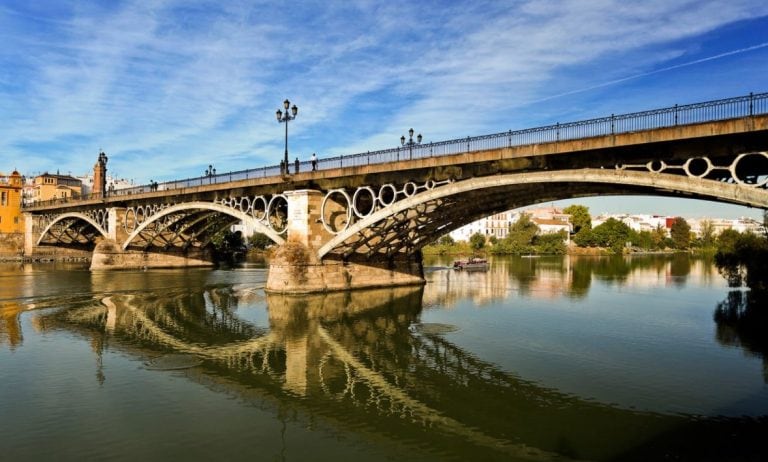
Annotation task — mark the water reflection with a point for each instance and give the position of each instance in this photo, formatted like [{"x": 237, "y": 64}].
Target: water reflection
[
  {"x": 365, "y": 362},
  {"x": 742, "y": 321},
  {"x": 557, "y": 277},
  {"x": 10, "y": 325}
]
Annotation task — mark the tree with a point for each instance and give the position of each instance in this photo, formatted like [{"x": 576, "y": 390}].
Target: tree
[
  {"x": 644, "y": 240},
  {"x": 707, "y": 233},
  {"x": 477, "y": 241},
  {"x": 726, "y": 241},
  {"x": 584, "y": 238},
  {"x": 680, "y": 233},
  {"x": 446, "y": 240},
  {"x": 659, "y": 237},
  {"x": 580, "y": 217},
  {"x": 551, "y": 243},
  {"x": 743, "y": 259},
  {"x": 523, "y": 230},
  {"x": 612, "y": 233},
  {"x": 520, "y": 237}
]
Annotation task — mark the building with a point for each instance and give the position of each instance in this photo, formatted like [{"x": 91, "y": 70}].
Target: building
[
  {"x": 10, "y": 203},
  {"x": 549, "y": 220},
  {"x": 651, "y": 223},
  {"x": 554, "y": 226},
  {"x": 113, "y": 184},
  {"x": 496, "y": 225},
  {"x": 718, "y": 225},
  {"x": 62, "y": 187}
]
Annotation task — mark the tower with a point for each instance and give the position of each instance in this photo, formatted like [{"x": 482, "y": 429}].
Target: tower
[
  {"x": 10, "y": 203},
  {"x": 100, "y": 176}
]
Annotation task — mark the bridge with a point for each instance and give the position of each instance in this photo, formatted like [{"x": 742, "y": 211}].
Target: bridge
[{"x": 361, "y": 220}]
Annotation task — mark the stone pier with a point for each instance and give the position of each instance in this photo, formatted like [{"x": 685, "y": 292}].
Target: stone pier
[
  {"x": 296, "y": 269},
  {"x": 109, "y": 255}
]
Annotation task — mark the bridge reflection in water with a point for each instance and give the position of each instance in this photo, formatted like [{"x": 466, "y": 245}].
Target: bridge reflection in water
[{"x": 363, "y": 362}]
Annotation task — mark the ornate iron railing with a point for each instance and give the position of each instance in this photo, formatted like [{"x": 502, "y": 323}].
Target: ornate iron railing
[{"x": 689, "y": 114}]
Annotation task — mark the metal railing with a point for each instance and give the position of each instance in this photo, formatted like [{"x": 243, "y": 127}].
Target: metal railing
[{"x": 710, "y": 111}]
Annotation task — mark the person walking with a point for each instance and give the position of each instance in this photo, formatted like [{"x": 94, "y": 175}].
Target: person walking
[
  {"x": 314, "y": 162},
  {"x": 296, "y": 166}
]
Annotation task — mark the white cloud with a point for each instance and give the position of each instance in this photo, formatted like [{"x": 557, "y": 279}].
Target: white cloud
[{"x": 170, "y": 87}]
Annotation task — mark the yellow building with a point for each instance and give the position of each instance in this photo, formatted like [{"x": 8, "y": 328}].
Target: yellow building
[
  {"x": 10, "y": 203},
  {"x": 61, "y": 187}
]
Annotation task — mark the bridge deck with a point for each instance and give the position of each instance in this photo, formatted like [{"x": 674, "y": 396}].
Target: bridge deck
[{"x": 716, "y": 138}]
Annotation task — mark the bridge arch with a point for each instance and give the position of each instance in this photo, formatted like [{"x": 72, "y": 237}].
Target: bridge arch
[
  {"x": 215, "y": 208},
  {"x": 73, "y": 217},
  {"x": 527, "y": 188}
]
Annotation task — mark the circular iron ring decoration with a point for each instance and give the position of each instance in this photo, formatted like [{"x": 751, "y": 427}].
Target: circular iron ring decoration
[
  {"x": 272, "y": 209},
  {"x": 734, "y": 166},
  {"x": 357, "y": 197},
  {"x": 348, "y": 210}
]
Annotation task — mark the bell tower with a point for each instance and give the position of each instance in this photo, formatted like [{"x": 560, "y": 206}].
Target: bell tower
[{"x": 100, "y": 176}]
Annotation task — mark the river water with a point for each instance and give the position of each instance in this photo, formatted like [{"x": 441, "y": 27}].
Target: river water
[{"x": 642, "y": 358}]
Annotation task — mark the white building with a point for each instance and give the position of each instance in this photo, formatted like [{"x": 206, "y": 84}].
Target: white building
[
  {"x": 113, "y": 184},
  {"x": 742, "y": 225},
  {"x": 549, "y": 220}
]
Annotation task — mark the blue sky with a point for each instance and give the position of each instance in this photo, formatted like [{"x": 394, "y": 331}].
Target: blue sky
[{"x": 167, "y": 87}]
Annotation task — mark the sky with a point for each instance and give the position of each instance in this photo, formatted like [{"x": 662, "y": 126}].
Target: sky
[{"x": 168, "y": 87}]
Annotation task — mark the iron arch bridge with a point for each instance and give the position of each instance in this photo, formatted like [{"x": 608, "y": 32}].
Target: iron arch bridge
[
  {"x": 378, "y": 208},
  {"x": 195, "y": 223},
  {"x": 75, "y": 229},
  {"x": 406, "y": 217},
  {"x": 384, "y": 219}
]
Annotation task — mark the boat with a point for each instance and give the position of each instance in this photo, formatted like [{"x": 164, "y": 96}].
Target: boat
[{"x": 472, "y": 264}]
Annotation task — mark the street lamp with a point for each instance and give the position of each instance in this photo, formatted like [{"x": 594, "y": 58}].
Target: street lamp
[
  {"x": 285, "y": 118},
  {"x": 410, "y": 143},
  {"x": 210, "y": 172}
]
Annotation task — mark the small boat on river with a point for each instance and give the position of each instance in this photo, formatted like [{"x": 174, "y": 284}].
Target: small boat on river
[{"x": 472, "y": 264}]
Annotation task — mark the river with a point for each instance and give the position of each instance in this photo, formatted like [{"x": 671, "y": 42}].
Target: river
[{"x": 543, "y": 358}]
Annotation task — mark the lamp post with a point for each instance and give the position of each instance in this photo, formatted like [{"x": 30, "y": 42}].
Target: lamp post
[
  {"x": 210, "y": 172},
  {"x": 410, "y": 143},
  {"x": 285, "y": 118}
]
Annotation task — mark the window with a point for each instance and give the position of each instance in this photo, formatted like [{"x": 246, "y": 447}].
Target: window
[{"x": 4, "y": 198}]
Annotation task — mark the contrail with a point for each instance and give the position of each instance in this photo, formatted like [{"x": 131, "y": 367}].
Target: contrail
[{"x": 657, "y": 71}]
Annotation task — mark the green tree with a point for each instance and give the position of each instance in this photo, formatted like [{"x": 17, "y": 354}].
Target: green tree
[
  {"x": 580, "y": 217},
  {"x": 726, "y": 241},
  {"x": 551, "y": 243},
  {"x": 584, "y": 238},
  {"x": 477, "y": 241},
  {"x": 743, "y": 259},
  {"x": 446, "y": 240},
  {"x": 613, "y": 234},
  {"x": 644, "y": 240},
  {"x": 659, "y": 237},
  {"x": 520, "y": 237},
  {"x": 680, "y": 232},
  {"x": 707, "y": 234}
]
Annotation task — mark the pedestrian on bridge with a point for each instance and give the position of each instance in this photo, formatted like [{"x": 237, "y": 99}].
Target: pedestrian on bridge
[
  {"x": 296, "y": 166},
  {"x": 314, "y": 162}
]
